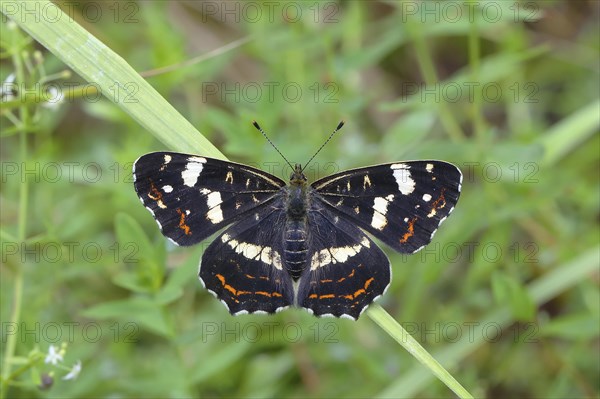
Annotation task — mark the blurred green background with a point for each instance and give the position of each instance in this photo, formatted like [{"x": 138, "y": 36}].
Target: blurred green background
[{"x": 506, "y": 296}]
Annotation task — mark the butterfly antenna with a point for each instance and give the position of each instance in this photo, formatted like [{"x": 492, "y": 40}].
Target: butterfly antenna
[
  {"x": 257, "y": 126},
  {"x": 339, "y": 126}
]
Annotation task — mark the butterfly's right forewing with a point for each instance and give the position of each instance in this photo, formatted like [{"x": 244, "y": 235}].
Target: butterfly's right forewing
[{"x": 401, "y": 203}]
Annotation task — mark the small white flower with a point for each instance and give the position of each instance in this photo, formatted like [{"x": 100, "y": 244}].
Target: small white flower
[
  {"x": 56, "y": 97},
  {"x": 53, "y": 356},
  {"x": 74, "y": 371},
  {"x": 8, "y": 88}
]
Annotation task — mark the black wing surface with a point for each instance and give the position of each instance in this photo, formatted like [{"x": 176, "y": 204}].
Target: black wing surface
[{"x": 192, "y": 197}]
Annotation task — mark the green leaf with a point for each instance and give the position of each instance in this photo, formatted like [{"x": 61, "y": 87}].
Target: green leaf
[
  {"x": 129, "y": 230},
  {"x": 509, "y": 290},
  {"x": 138, "y": 310},
  {"x": 221, "y": 361},
  {"x": 149, "y": 269},
  {"x": 579, "y": 325},
  {"x": 131, "y": 281},
  {"x": 178, "y": 278}
]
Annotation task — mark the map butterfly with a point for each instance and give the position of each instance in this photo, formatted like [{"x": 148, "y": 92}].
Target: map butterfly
[{"x": 298, "y": 244}]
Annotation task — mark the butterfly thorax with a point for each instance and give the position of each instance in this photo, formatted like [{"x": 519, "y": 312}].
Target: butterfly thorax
[
  {"x": 296, "y": 200},
  {"x": 295, "y": 233}
]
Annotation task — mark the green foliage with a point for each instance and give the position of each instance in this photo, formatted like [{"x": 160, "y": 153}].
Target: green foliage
[{"x": 506, "y": 296}]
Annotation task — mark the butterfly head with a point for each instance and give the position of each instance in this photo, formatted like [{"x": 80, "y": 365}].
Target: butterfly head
[{"x": 297, "y": 178}]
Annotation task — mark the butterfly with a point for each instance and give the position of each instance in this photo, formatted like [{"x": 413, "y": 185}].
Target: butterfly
[{"x": 296, "y": 244}]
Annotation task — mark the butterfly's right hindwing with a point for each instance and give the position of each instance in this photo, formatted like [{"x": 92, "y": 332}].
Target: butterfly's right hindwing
[{"x": 192, "y": 197}]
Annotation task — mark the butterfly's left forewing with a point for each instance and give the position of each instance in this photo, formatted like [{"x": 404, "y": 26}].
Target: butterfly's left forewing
[
  {"x": 402, "y": 203},
  {"x": 192, "y": 197}
]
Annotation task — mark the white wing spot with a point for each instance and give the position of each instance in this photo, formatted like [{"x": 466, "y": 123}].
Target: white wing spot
[
  {"x": 167, "y": 188},
  {"x": 366, "y": 182},
  {"x": 251, "y": 251},
  {"x": 426, "y": 197},
  {"x": 336, "y": 255},
  {"x": 365, "y": 242},
  {"x": 229, "y": 178},
  {"x": 215, "y": 215},
  {"x": 406, "y": 184},
  {"x": 197, "y": 159},
  {"x": 379, "y": 220},
  {"x": 192, "y": 171},
  {"x": 167, "y": 158},
  {"x": 213, "y": 201},
  {"x": 429, "y": 167}
]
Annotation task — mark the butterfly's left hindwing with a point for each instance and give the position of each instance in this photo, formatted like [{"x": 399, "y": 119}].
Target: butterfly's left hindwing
[
  {"x": 243, "y": 267},
  {"x": 402, "y": 204},
  {"x": 192, "y": 197}
]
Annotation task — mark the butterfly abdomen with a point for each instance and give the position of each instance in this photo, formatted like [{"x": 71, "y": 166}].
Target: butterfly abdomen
[{"x": 295, "y": 250}]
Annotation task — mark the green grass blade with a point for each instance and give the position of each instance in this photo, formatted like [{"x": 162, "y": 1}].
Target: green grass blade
[
  {"x": 396, "y": 331},
  {"x": 570, "y": 132},
  {"x": 114, "y": 78}
]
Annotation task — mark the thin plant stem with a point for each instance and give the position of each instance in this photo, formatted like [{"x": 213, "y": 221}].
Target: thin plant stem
[
  {"x": 396, "y": 331},
  {"x": 11, "y": 340},
  {"x": 474, "y": 55},
  {"x": 429, "y": 74}
]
